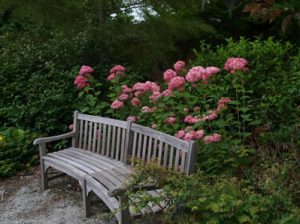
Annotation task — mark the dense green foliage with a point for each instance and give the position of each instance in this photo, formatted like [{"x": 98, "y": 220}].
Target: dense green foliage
[
  {"x": 272, "y": 83},
  {"x": 16, "y": 151}
]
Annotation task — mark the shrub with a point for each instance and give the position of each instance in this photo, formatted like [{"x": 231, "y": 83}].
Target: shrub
[
  {"x": 37, "y": 76},
  {"x": 202, "y": 198},
  {"x": 273, "y": 81},
  {"x": 16, "y": 151}
]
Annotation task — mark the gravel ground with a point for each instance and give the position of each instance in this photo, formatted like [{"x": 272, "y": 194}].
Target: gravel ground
[{"x": 22, "y": 202}]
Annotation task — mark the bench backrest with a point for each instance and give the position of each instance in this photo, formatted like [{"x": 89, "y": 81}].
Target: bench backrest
[
  {"x": 129, "y": 142},
  {"x": 148, "y": 145},
  {"x": 100, "y": 135}
]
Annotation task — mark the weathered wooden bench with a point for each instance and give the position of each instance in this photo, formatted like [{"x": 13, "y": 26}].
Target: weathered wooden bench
[{"x": 103, "y": 153}]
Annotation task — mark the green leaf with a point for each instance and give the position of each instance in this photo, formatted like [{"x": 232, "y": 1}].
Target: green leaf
[
  {"x": 234, "y": 102},
  {"x": 244, "y": 219},
  {"x": 81, "y": 94},
  {"x": 244, "y": 109},
  {"x": 255, "y": 122}
]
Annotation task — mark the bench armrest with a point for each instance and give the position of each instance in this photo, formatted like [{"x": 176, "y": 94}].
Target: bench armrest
[
  {"x": 120, "y": 190},
  {"x": 53, "y": 138}
]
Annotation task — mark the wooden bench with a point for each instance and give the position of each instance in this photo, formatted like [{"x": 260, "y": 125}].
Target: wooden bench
[{"x": 103, "y": 153}]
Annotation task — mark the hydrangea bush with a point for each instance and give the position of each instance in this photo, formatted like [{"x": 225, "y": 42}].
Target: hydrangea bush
[{"x": 179, "y": 105}]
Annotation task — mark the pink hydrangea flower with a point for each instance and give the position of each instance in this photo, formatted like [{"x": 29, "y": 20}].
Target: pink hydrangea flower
[
  {"x": 147, "y": 86},
  {"x": 123, "y": 96},
  {"x": 210, "y": 71},
  {"x": 236, "y": 64},
  {"x": 117, "y": 104},
  {"x": 199, "y": 134},
  {"x": 224, "y": 100},
  {"x": 81, "y": 82},
  {"x": 189, "y": 136},
  {"x": 222, "y": 103},
  {"x": 195, "y": 74},
  {"x": 146, "y": 109},
  {"x": 126, "y": 89},
  {"x": 138, "y": 86},
  {"x": 154, "y": 126},
  {"x": 180, "y": 134},
  {"x": 132, "y": 118},
  {"x": 176, "y": 83},
  {"x": 167, "y": 92},
  {"x": 211, "y": 116},
  {"x": 189, "y": 119},
  {"x": 212, "y": 138},
  {"x": 117, "y": 69},
  {"x": 155, "y": 96},
  {"x": 135, "y": 102},
  {"x": 169, "y": 74},
  {"x": 171, "y": 120},
  {"x": 179, "y": 65},
  {"x": 112, "y": 76},
  {"x": 85, "y": 69},
  {"x": 138, "y": 93},
  {"x": 151, "y": 86}
]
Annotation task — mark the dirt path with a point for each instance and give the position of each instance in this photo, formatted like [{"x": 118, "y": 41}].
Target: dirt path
[{"x": 24, "y": 203}]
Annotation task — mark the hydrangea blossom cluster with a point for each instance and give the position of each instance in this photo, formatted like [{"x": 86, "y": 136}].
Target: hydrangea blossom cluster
[
  {"x": 117, "y": 104},
  {"x": 81, "y": 80},
  {"x": 147, "y": 109},
  {"x": 138, "y": 90},
  {"x": 116, "y": 71},
  {"x": 133, "y": 118},
  {"x": 198, "y": 73},
  {"x": 179, "y": 65},
  {"x": 236, "y": 64},
  {"x": 212, "y": 138},
  {"x": 212, "y": 115},
  {"x": 188, "y": 135}
]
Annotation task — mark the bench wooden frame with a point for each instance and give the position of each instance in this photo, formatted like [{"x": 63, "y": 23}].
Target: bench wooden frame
[{"x": 102, "y": 155}]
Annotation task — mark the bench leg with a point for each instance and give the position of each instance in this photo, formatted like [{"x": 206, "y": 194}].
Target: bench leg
[
  {"x": 86, "y": 200},
  {"x": 44, "y": 177},
  {"x": 124, "y": 215}
]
